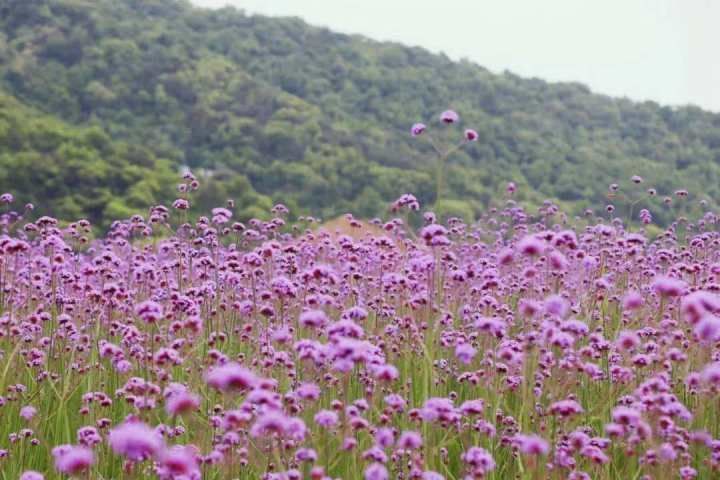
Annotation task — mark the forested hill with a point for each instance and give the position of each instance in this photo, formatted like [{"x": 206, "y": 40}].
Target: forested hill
[{"x": 274, "y": 110}]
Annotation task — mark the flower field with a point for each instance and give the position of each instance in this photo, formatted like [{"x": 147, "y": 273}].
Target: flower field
[{"x": 523, "y": 346}]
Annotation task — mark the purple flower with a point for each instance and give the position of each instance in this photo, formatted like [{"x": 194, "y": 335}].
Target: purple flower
[
  {"x": 326, "y": 418},
  {"x": 430, "y": 475},
  {"x": 376, "y": 471},
  {"x": 625, "y": 416},
  {"x": 531, "y": 246},
  {"x": 566, "y": 408},
  {"x": 632, "y": 301},
  {"x": 418, "y": 129},
  {"x": 471, "y": 135},
  {"x": 465, "y": 353},
  {"x": 72, "y": 460},
  {"x": 479, "y": 460},
  {"x": 135, "y": 441},
  {"x": 28, "y": 412},
  {"x": 532, "y": 445},
  {"x": 708, "y": 329},
  {"x": 669, "y": 287},
  {"x": 181, "y": 402},
  {"x": 409, "y": 440},
  {"x": 313, "y": 319},
  {"x": 149, "y": 311},
  {"x": 711, "y": 374},
  {"x": 32, "y": 475},
  {"x": 179, "y": 462},
  {"x": 449, "y": 116},
  {"x": 231, "y": 377}
]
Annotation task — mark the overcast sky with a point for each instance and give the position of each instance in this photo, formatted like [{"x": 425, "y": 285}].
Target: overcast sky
[{"x": 662, "y": 50}]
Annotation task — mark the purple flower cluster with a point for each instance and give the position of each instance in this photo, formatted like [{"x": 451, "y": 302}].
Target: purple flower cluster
[{"x": 520, "y": 346}]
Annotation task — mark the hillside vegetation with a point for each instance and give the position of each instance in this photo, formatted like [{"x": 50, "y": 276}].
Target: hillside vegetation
[{"x": 274, "y": 110}]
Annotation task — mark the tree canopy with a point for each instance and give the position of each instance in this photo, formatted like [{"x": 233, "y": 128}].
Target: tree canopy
[{"x": 103, "y": 100}]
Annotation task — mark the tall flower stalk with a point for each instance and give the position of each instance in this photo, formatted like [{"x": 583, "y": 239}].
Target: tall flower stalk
[{"x": 448, "y": 117}]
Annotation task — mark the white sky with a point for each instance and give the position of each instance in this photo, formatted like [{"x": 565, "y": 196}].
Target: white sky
[{"x": 662, "y": 50}]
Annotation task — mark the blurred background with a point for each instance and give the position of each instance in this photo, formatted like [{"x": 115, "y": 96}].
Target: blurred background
[{"x": 309, "y": 103}]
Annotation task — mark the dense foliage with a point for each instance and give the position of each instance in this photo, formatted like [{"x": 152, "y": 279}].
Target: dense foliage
[{"x": 276, "y": 109}]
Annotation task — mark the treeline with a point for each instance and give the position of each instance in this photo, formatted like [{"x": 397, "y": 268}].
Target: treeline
[{"x": 273, "y": 110}]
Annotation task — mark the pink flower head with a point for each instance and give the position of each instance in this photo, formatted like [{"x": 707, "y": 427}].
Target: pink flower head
[
  {"x": 479, "y": 460},
  {"x": 313, "y": 319},
  {"x": 149, "y": 311},
  {"x": 632, "y": 301},
  {"x": 708, "y": 329},
  {"x": 179, "y": 462},
  {"x": 465, "y": 353},
  {"x": 669, "y": 287},
  {"x": 376, "y": 471},
  {"x": 471, "y": 135},
  {"x": 532, "y": 445},
  {"x": 71, "y": 459},
  {"x": 32, "y": 475},
  {"x": 28, "y": 412},
  {"x": 627, "y": 340},
  {"x": 557, "y": 306},
  {"x": 566, "y": 408},
  {"x": 326, "y": 418},
  {"x": 135, "y": 441},
  {"x": 418, "y": 129},
  {"x": 710, "y": 374},
  {"x": 409, "y": 440},
  {"x": 181, "y": 402},
  {"x": 625, "y": 416},
  {"x": 449, "y": 116},
  {"x": 531, "y": 246},
  {"x": 697, "y": 304},
  {"x": 231, "y": 377}
]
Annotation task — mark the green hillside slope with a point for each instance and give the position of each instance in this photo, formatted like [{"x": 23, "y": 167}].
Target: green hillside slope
[{"x": 276, "y": 109}]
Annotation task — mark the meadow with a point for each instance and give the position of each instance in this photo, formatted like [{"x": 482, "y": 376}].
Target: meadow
[{"x": 528, "y": 344}]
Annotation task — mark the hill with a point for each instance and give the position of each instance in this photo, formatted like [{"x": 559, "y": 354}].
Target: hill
[{"x": 272, "y": 108}]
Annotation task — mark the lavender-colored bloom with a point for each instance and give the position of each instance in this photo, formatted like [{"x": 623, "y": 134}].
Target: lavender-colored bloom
[
  {"x": 669, "y": 287},
  {"x": 710, "y": 374},
  {"x": 231, "y": 377},
  {"x": 28, "y": 412},
  {"x": 430, "y": 475},
  {"x": 149, "y": 311},
  {"x": 135, "y": 441},
  {"x": 625, "y": 416},
  {"x": 313, "y": 319},
  {"x": 465, "y": 353},
  {"x": 531, "y": 246},
  {"x": 326, "y": 418},
  {"x": 179, "y": 462},
  {"x": 449, "y": 116},
  {"x": 566, "y": 408},
  {"x": 376, "y": 471},
  {"x": 479, "y": 459},
  {"x": 181, "y": 402},
  {"x": 418, "y": 129},
  {"x": 632, "y": 301},
  {"x": 471, "y": 135},
  {"x": 708, "y": 329},
  {"x": 32, "y": 475},
  {"x": 409, "y": 440},
  {"x": 532, "y": 445},
  {"x": 72, "y": 460}
]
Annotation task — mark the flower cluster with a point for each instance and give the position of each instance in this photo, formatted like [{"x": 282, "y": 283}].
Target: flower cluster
[{"x": 520, "y": 346}]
